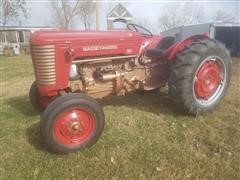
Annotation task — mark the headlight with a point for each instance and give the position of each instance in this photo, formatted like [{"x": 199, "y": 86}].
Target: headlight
[{"x": 73, "y": 72}]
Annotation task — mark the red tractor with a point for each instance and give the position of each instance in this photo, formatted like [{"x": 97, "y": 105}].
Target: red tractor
[{"x": 74, "y": 67}]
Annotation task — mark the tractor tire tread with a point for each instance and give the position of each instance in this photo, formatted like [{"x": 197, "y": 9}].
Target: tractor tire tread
[
  {"x": 182, "y": 72},
  {"x": 58, "y": 105}
]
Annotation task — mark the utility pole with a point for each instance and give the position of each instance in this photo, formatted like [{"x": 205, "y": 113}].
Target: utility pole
[{"x": 97, "y": 14}]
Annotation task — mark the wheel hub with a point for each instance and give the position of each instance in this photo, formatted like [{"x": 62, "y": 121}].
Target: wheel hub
[
  {"x": 208, "y": 79},
  {"x": 75, "y": 126}
]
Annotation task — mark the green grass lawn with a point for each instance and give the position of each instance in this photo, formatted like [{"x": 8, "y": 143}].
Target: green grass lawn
[{"x": 144, "y": 136}]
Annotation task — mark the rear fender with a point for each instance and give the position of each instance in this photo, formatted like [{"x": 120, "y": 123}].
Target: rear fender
[{"x": 178, "y": 47}]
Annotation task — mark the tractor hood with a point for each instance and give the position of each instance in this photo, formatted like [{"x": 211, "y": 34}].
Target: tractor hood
[
  {"x": 91, "y": 43},
  {"x": 53, "y": 37}
]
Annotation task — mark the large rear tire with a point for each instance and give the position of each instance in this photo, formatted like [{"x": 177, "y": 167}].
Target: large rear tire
[
  {"x": 71, "y": 122},
  {"x": 200, "y": 76}
]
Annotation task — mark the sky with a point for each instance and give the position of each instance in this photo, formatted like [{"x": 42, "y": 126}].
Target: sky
[{"x": 142, "y": 10}]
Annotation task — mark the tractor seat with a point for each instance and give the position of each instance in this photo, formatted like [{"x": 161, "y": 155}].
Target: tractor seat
[{"x": 160, "y": 49}]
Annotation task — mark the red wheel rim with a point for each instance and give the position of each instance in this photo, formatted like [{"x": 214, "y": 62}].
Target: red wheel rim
[
  {"x": 74, "y": 126},
  {"x": 208, "y": 79}
]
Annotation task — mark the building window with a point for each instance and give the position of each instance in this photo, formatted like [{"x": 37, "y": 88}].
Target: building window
[
  {"x": 11, "y": 36},
  {"x": 2, "y": 37},
  {"x": 20, "y": 36}
]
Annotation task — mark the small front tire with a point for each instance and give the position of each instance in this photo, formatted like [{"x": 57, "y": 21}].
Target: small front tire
[{"x": 71, "y": 122}]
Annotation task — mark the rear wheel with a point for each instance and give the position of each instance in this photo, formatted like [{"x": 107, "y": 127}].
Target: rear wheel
[
  {"x": 200, "y": 76},
  {"x": 71, "y": 122}
]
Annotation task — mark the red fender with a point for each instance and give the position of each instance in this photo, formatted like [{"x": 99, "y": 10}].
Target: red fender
[{"x": 178, "y": 47}]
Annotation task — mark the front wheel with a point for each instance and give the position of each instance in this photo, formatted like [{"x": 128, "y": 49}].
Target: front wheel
[
  {"x": 200, "y": 76},
  {"x": 71, "y": 122},
  {"x": 35, "y": 99}
]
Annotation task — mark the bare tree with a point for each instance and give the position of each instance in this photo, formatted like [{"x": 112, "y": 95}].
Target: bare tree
[
  {"x": 63, "y": 13},
  {"x": 13, "y": 11},
  {"x": 143, "y": 21},
  {"x": 87, "y": 10},
  {"x": 222, "y": 16},
  {"x": 146, "y": 23},
  {"x": 178, "y": 14}
]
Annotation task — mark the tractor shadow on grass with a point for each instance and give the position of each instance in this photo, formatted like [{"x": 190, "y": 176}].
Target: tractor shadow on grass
[
  {"x": 22, "y": 104},
  {"x": 154, "y": 102},
  {"x": 33, "y": 136},
  {"x": 157, "y": 103}
]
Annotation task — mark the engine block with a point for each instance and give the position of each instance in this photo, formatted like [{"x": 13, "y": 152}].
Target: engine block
[{"x": 102, "y": 78}]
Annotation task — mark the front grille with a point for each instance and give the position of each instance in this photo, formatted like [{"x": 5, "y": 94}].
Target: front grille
[{"x": 44, "y": 64}]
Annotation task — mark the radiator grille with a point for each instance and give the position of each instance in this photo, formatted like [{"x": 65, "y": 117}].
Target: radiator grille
[{"x": 44, "y": 64}]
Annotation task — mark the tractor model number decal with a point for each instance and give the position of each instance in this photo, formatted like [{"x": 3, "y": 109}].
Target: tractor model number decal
[{"x": 99, "y": 48}]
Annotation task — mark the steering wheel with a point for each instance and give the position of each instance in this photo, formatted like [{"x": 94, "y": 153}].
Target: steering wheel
[{"x": 138, "y": 28}]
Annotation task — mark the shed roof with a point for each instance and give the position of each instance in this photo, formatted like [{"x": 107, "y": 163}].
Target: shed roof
[{"x": 119, "y": 11}]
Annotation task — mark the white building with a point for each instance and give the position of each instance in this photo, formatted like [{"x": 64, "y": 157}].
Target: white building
[{"x": 14, "y": 39}]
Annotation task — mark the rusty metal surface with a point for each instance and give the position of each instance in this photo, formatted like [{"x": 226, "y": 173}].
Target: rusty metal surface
[{"x": 102, "y": 78}]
